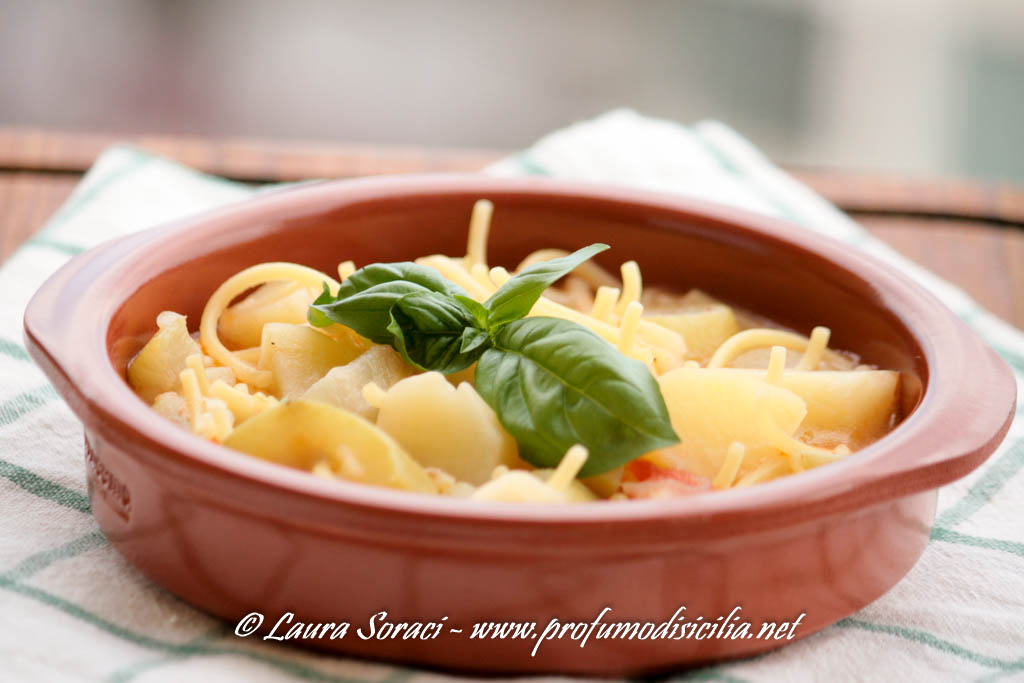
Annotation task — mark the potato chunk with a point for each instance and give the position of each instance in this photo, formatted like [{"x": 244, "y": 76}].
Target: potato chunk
[
  {"x": 331, "y": 441},
  {"x": 172, "y": 406},
  {"x": 343, "y": 386},
  {"x": 447, "y": 427},
  {"x": 298, "y": 356},
  {"x": 710, "y": 409},
  {"x": 241, "y": 325},
  {"x": 155, "y": 370},
  {"x": 853, "y": 407},
  {"x": 704, "y": 330}
]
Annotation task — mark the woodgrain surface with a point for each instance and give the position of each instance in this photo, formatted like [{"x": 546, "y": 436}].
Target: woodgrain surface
[{"x": 968, "y": 232}]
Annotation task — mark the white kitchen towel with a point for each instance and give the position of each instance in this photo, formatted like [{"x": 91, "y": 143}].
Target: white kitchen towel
[{"x": 71, "y": 608}]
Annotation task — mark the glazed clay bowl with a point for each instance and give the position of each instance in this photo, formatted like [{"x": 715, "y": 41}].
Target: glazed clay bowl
[{"x": 233, "y": 534}]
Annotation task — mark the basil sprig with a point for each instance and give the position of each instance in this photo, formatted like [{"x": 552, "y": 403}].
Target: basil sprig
[{"x": 553, "y": 383}]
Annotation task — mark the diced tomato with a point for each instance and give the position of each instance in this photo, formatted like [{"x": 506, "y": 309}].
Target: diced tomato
[{"x": 644, "y": 479}]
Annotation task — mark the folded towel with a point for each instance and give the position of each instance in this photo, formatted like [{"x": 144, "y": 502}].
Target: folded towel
[{"x": 71, "y": 608}]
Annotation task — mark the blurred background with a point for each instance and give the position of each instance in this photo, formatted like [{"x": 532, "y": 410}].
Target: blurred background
[{"x": 934, "y": 87}]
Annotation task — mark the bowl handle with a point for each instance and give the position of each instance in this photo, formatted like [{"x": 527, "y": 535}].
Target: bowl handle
[
  {"x": 965, "y": 415},
  {"x": 66, "y": 320}
]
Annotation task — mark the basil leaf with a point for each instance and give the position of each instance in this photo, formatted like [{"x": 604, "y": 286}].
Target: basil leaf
[
  {"x": 365, "y": 298},
  {"x": 316, "y": 317},
  {"x": 428, "y": 329},
  {"x": 478, "y": 310},
  {"x": 406, "y": 271},
  {"x": 517, "y": 296},
  {"x": 472, "y": 338},
  {"x": 369, "y": 312},
  {"x": 554, "y": 383}
]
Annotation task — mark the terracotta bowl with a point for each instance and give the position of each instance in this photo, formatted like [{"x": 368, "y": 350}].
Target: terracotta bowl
[{"x": 233, "y": 534}]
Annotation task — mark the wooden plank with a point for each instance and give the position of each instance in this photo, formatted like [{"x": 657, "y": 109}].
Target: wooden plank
[
  {"x": 987, "y": 262},
  {"x": 27, "y": 200},
  {"x": 870, "y": 193},
  {"x": 241, "y": 159},
  {"x": 1014, "y": 243},
  {"x": 263, "y": 161}
]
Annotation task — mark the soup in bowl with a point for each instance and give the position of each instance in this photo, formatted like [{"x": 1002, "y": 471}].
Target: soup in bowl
[{"x": 815, "y": 539}]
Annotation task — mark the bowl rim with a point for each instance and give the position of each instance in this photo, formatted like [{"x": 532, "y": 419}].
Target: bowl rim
[{"x": 979, "y": 389}]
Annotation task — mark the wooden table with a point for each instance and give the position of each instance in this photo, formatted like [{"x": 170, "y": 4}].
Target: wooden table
[{"x": 970, "y": 233}]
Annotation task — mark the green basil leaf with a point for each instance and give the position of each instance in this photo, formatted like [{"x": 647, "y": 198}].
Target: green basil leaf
[
  {"x": 428, "y": 329},
  {"x": 478, "y": 310},
  {"x": 406, "y": 271},
  {"x": 316, "y": 317},
  {"x": 369, "y": 312},
  {"x": 473, "y": 338},
  {"x": 554, "y": 383},
  {"x": 365, "y": 298},
  {"x": 517, "y": 296}
]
